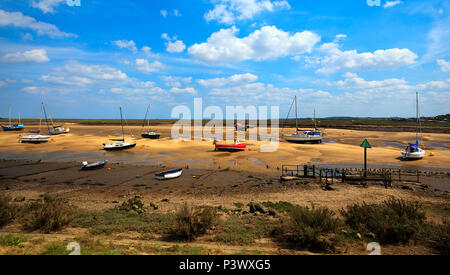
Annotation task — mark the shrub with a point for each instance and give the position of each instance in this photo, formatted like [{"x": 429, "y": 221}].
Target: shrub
[
  {"x": 7, "y": 211},
  {"x": 394, "y": 221},
  {"x": 134, "y": 204},
  {"x": 310, "y": 228},
  {"x": 48, "y": 215},
  {"x": 191, "y": 222},
  {"x": 440, "y": 237}
]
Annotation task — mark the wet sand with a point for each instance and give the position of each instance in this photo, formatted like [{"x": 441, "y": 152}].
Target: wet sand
[{"x": 340, "y": 147}]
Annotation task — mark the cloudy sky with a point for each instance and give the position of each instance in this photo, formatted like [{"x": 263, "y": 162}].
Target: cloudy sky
[{"x": 342, "y": 58}]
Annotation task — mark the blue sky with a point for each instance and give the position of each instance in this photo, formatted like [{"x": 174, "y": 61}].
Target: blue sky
[{"x": 342, "y": 58}]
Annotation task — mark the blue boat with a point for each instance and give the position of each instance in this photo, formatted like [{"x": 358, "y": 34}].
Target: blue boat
[
  {"x": 17, "y": 127},
  {"x": 13, "y": 127}
]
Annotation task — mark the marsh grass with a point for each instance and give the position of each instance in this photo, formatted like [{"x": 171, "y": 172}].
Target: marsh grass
[{"x": 394, "y": 221}]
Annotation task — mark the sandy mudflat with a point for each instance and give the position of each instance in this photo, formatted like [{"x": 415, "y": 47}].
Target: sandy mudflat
[{"x": 341, "y": 146}]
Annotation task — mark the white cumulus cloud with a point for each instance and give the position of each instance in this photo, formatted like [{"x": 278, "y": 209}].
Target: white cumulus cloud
[
  {"x": 268, "y": 43},
  {"x": 336, "y": 60},
  {"x": 32, "y": 56},
  {"x": 230, "y": 11},
  {"x": 18, "y": 20},
  {"x": 444, "y": 65},
  {"x": 234, "y": 80},
  {"x": 126, "y": 44},
  {"x": 143, "y": 66},
  {"x": 47, "y": 6}
]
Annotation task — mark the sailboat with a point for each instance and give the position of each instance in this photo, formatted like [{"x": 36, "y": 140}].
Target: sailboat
[
  {"x": 151, "y": 134},
  {"x": 54, "y": 130},
  {"x": 413, "y": 151},
  {"x": 13, "y": 127},
  {"x": 120, "y": 144},
  {"x": 37, "y": 137},
  {"x": 304, "y": 136}
]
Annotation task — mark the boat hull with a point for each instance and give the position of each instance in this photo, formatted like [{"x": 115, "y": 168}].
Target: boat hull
[
  {"x": 94, "y": 166},
  {"x": 119, "y": 146},
  {"x": 13, "y": 128},
  {"x": 173, "y": 174},
  {"x": 303, "y": 139},
  {"x": 413, "y": 155},
  {"x": 231, "y": 147},
  {"x": 58, "y": 131},
  {"x": 34, "y": 139},
  {"x": 151, "y": 136}
]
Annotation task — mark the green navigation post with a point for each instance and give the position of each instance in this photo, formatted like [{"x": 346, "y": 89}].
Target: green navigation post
[{"x": 365, "y": 145}]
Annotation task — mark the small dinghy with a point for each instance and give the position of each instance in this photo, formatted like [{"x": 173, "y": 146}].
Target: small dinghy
[
  {"x": 236, "y": 147},
  {"x": 92, "y": 166},
  {"x": 172, "y": 174}
]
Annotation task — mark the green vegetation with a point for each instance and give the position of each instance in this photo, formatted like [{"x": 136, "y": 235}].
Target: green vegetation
[
  {"x": 48, "y": 215},
  {"x": 116, "y": 221},
  {"x": 7, "y": 211},
  {"x": 310, "y": 228},
  {"x": 244, "y": 230},
  {"x": 12, "y": 239},
  {"x": 394, "y": 221},
  {"x": 191, "y": 222}
]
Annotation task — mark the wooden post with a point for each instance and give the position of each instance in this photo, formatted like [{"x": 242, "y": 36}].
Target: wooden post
[
  {"x": 399, "y": 175},
  {"x": 314, "y": 171},
  {"x": 305, "y": 171},
  {"x": 365, "y": 162}
]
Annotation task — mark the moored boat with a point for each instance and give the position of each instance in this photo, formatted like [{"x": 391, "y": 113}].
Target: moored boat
[
  {"x": 92, "y": 166},
  {"x": 13, "y": 127},
  {"x": 413, "y": 150},
  {"x": 304, "y": 136},
  {"x": 172, "y": 174},
  {"x": 150, "y": 134},
  {"x": 120, "y": 144},
  {"x": 36, "y": 137},
  {"x": 236, "y": 147},
  {"x": 54, "y": 130}
]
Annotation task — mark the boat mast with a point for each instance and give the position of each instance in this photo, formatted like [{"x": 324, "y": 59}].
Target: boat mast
[
  {"x": 296, "y": 116},
  {"x": 46, "y": 119},
  {"x": 148, "y": 120},
  {"x": 9, "y": 110},
  {"x": 419, "y": 125},
  {"x": 40, "y": 117},
  {"x": 121, "y": 122}
]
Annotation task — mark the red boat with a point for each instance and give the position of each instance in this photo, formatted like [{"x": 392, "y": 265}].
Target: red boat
[{"x": 236, "y": 147}]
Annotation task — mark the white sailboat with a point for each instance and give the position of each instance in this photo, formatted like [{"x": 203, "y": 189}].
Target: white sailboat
[
  {"x": 54, "y": 130},
  {"x": 37, "y": 138},
  {"x": 413, "y": 150},
  {"x": 303, "y": 136},
  {"x": 150, "y": 134},
  {"x": 120, "y": 144}
]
